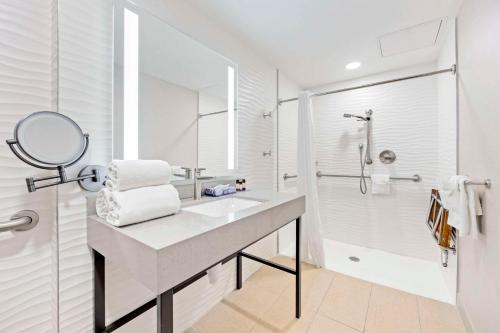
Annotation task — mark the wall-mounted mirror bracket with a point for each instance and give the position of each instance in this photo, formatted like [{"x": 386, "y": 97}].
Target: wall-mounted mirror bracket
[
  {"x": 51, "y": 141},
  {"x": 91, "y": 178}
]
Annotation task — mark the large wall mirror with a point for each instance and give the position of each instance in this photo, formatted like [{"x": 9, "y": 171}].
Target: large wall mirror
[{"x": 174, "y": 98}]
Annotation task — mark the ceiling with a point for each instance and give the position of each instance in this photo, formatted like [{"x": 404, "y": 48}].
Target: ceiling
[{"x": 312, "y": 40}]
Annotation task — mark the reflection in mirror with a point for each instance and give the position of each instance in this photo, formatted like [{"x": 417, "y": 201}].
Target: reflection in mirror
[{"x": 174, "y": 98}]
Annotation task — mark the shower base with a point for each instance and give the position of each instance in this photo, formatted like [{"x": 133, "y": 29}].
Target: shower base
[{"x": 416, "y": 276}]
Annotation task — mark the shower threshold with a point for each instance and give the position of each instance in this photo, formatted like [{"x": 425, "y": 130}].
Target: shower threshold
[{"x": 412, "y": 275}]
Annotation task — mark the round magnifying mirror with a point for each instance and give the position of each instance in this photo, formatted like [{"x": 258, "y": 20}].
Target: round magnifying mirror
[{"x": 50, "y": 138}]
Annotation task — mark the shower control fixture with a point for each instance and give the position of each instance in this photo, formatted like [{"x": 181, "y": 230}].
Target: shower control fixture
[
  {"x": 387, "y": 156},
  {"x": 52, "y": 141},
  {"x": 366, "y": 159}
]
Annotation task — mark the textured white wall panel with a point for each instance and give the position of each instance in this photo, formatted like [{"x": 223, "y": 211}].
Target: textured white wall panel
[
  {"x": 256, "y": 95},
  {"x": 26, "y": 258},
  {"x": 85, "y": 94}
]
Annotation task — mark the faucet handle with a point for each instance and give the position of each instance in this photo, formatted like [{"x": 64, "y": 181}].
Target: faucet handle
[
  {"x": 199, "y": 170},
  {"x": 187, "y": 172}
]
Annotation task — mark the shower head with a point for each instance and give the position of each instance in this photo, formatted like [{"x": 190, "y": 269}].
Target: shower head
[
  {"x": 350, "y": 115},
  {"x": 367, "y": 118}
]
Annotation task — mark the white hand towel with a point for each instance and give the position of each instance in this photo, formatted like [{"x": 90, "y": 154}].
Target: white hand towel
[
  {"x": 102, "y": 202},
  {"x": 142, "y": 204},
  {"x": 214, "y": 273},
  {"x": 463, "y": 205},
  {"x": 125, "y": 175},
  {"x": 381, "y": 184}
]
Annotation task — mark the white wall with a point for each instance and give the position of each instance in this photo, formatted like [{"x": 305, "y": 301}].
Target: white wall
[
  {"x": 168, "y": 115},
  {"x": 405, "y": 121},
  {"x": 28, "y": 259},
  {"x": 479, "y": 156},
  {"x": 86, "y": 95},
  {"x": 286, "y": 133},
  {"x": 447, "y": 137}
]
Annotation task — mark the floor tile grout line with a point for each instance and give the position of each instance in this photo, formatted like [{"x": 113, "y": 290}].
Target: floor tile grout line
[
  {"x": 272, "y": 304},
  {"x": 418, "y": 313},
  {"x": 368, "y": 306},
  {"x": 331, "y": 318},
  {"x": 316, "y": 311}
]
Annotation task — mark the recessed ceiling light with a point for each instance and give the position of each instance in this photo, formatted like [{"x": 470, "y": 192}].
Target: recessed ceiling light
[{"x": 353, "y": 65}]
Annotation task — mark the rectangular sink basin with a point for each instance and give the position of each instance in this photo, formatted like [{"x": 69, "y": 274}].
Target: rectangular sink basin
[{"x": 222, "y": 207}]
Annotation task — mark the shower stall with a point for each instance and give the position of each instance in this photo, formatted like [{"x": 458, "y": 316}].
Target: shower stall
[{"x": 413, "y": 115}]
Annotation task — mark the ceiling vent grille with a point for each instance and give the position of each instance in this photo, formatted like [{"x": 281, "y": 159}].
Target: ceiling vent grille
[{"x": 410, "y": 39}]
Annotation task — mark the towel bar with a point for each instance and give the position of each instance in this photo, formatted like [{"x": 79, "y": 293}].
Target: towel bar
[{"x": 486, "y": 182}]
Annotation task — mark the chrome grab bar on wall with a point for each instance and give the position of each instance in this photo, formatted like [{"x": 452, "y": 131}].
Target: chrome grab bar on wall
[
  {"x": 286, "y": 176},
  {"x": 415, "y": 178},
  {"x": 21, "y": 221},
  {"x": 319, "y": 174}
]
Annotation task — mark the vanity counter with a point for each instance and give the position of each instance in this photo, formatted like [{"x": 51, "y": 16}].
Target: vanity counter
[{"x": 165, "y": 252}]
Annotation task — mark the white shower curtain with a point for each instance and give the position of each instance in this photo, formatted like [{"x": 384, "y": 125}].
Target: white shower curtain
[{"x": 311, "y": 241}]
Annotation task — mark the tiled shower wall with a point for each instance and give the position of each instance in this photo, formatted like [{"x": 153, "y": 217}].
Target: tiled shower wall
[
  {"x": 405, "y": 120},
  {"x": 85, "y": 94}
]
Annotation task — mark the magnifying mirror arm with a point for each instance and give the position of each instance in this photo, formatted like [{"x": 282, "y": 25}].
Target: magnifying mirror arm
[{"x": 62, "y": 179}]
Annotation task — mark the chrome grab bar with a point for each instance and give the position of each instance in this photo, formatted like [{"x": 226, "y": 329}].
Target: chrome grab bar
[
  {"x": 21, "y": 221},
  {"x": 415, "y": 178},
  {"x": 286, "y": 176},
  {"x": 319, "y": 174}
]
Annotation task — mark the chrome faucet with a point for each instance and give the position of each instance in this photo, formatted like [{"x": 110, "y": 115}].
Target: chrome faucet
[
  {"x": 197, "y": 185},
  {"x": 187, "y": 172}
]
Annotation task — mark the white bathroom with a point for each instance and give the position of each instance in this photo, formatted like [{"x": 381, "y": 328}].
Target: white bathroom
[{"x": 217, "y": 166}]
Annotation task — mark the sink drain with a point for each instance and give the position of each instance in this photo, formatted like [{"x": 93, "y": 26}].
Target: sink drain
[{"x": 355, "y": 259}]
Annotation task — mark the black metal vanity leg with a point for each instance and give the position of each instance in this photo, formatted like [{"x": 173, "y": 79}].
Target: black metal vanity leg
[
  {"x": 239, "y": 276},
  {"x": 165, "y": 312},
  {"x": 297, "y": 269},
  {"x": 99, "y": 293}
]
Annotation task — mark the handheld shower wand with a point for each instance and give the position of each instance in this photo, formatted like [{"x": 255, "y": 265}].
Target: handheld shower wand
[{"x": 367, "y": 158}]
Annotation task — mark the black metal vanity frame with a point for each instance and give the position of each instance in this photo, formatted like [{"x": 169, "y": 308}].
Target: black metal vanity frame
[{"x": 164, "y": 302}]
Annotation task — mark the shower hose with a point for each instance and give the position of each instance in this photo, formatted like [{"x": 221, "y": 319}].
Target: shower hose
[{"x": 362, "y": 161}]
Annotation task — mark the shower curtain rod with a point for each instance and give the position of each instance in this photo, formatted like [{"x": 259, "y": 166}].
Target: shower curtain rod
[
  {"x": 452, "y": 69},
  {"x": 201, "y": 115}
]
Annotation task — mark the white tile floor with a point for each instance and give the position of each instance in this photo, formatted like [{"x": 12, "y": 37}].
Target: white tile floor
[{"x": 416, "y": 276}]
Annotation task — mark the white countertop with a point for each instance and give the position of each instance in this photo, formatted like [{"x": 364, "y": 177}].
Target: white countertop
[{"x": 164, "y": 252}]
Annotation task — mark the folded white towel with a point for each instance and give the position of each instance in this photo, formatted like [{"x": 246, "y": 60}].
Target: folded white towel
[
  {"x": 463, "y": 205},
  {"x": 102, "y": 202},
  {"x": 125, "y": 175},
  {"x": 381, "y": 184},
  {"x": 142, "y": 204}
]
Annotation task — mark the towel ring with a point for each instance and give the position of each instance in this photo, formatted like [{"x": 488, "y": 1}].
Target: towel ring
[{"x": 52, "y": 141}]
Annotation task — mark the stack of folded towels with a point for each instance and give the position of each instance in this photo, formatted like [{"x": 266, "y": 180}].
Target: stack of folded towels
[
  {"x": 220, "y": 190},
  {"x": 137, "y": 191}
]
